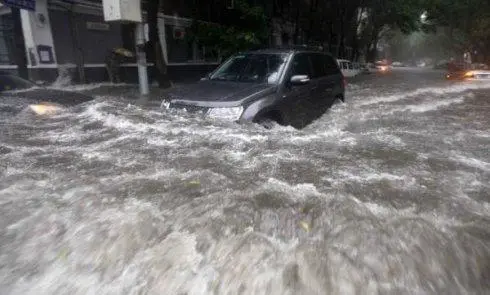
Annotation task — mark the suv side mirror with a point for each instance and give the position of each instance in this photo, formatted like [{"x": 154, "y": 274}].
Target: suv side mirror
[{"x": 299, "y": 79}]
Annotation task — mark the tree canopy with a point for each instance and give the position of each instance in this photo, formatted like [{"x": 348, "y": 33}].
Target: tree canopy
[{"x": 348, "y": 29}]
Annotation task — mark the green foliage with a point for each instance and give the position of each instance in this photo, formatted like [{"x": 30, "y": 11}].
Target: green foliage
[
  {"x": 468, "y": 21},
  {"x": 401, "y": 14},
  {"x": 249, "y": 30}
]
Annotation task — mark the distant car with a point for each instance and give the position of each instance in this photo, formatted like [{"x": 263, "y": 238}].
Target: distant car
[
  {"x": 42, "y": 101},
  {"x": 469, "y": 75},
  {"x": 397, "y": 64},
  {"x": 382, "y": 67},
  {"x": 479, "y": 66},
  {"x": 348, "y": 68},
  {"x": 290, "y": 87}
]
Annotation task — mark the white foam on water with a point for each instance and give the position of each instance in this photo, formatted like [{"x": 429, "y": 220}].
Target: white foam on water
[
  {"x": 85, "y": 87},
  {"x": 300, "y": 191},
  {"x": 471, "y": 162},
  {"x": 430, "y": 106},
  {"x": 400, "y": 181},
  {"x": 457, "y": 88},
  {"x": 64, "y": 78},
  {"x": 184, "y": 207}
]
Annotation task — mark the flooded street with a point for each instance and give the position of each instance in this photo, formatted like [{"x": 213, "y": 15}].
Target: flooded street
[{"x": 388, "y": 193}]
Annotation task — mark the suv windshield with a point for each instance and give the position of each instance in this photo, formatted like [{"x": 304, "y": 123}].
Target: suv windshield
[
  {"x": 255, "y": 68},
  {"x": 10, "y": 82}
]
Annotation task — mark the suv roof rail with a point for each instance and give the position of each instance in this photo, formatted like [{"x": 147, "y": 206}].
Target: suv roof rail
[
  {"x": 302, "y": 47},
  {"x": 291, "y": 47}
]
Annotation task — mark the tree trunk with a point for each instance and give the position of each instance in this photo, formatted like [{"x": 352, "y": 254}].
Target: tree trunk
[
  {"x": 330, "y": 42},
  {"x": 20, "y": 49},
  {"x": 155, "y": 46},
  {"x": 313, "y": 9},
  {"x": 374, "y": 50},
  {"x": 339, "y": 30},
  {"x": 342, "y": 30},
  {"x": 355, "y": 38},
  {"x": 296, "y": 29}
]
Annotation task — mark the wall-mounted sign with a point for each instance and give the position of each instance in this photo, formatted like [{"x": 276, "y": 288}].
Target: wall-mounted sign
[
  {"x": 22, "y": 4},
  {"x": 45, "y": 54},
  {"x": 98, "y": 26},
  {"x": 178, "y": 33}
]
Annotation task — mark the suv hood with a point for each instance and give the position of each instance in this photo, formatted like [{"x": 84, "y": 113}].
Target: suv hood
[{"x": 218, "y": 93}]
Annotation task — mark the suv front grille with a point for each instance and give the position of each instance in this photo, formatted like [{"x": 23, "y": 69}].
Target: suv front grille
[{"x": 189, "y": 108}]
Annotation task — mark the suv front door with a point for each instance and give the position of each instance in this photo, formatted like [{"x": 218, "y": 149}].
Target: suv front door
[{"x": 299, "y": 97}]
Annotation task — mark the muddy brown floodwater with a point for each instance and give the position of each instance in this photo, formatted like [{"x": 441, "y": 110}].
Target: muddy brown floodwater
[{"x": 386, "y": 194}]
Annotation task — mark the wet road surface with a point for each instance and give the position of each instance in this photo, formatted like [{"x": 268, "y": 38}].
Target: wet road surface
[{"x": 388, "y": 193}]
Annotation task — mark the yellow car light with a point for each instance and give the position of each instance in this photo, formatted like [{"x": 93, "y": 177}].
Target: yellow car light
[
  {"x": 45, "y": 108},
  {"x": 469, "y": 74}
]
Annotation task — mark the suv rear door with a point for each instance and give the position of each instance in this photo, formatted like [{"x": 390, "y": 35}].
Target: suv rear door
[{"x": 328, "y": 78}]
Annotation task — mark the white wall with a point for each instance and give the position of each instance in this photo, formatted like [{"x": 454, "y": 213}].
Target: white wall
[{"x": 37, "y": 32}]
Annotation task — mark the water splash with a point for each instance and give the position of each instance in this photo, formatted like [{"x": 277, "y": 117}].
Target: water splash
[{"x": 380, "y": 195}]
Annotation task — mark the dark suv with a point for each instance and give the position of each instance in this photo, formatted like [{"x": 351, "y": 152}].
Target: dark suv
[{"x": 290, "y": 87}]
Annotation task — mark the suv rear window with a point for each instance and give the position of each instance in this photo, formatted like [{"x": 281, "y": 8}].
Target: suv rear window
[
  {"x": 331, "y": 65},
  {"x": 323, "y": 65},
  {"x": 319, "y": 66}
]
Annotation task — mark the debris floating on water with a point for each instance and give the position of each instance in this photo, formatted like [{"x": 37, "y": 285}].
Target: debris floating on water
[{"x": 305, "y": 225}]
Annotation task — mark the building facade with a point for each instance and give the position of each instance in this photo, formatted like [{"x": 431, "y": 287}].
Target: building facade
[{"x": 70, "y": 37}]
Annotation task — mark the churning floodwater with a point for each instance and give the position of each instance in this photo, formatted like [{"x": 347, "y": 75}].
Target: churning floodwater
[{"x": 388, "y": 193}]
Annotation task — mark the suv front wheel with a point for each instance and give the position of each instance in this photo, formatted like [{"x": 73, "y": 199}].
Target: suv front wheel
[{"x": 269, "y": 119}]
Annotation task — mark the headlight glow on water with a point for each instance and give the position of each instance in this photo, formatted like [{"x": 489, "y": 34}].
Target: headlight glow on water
[
  {"x": 45, "y": 108},
  {"x": 232, "y": 114}
]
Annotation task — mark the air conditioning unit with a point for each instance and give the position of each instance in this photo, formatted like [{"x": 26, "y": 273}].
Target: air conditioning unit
[{"x": 122, "y": 10}]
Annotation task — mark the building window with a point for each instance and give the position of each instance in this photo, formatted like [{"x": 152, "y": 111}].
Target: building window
[{"x": 7, "y": 46}]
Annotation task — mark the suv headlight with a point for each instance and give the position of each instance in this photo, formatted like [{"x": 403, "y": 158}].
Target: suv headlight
[
  {"x": 232, "y": 114},
  {"x": 45, "y": 108}
]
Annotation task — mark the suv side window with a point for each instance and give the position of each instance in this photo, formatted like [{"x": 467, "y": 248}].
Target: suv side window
[
  {"x": 319, "y": 69},
  {"x": 301, "y": 65},
  {"x": 331, "y": 65}
]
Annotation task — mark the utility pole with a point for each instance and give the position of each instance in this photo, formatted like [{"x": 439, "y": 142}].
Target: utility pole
[
  {"x": 141, "y": 59},
  {"x": 20, "y": 47},
  {"x": 130, "y": 11}
]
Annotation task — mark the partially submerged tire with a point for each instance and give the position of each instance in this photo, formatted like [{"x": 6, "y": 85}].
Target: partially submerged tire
[
  {"x": 267, "y": 123},
  {"x": 269, "y": 119}
]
